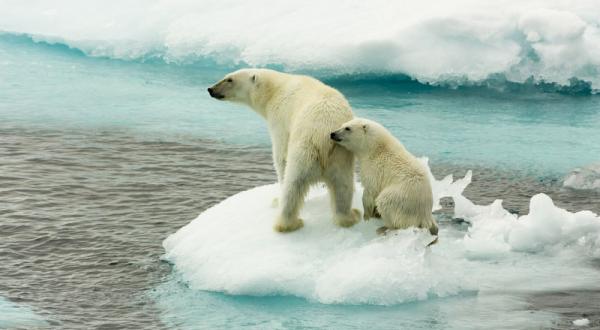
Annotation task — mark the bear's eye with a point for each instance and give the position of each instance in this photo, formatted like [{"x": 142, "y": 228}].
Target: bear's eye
[
  {"x": 229, "y": 80},
  {"x": 347, "y": 128}
]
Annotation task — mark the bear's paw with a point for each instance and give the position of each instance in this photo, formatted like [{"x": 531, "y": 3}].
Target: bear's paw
[
  {"x": 348, "y": 220},
  {"x": 288, "y": 226}
]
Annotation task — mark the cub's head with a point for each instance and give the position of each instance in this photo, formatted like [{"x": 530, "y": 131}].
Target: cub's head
[
  {"x": 357, "y": 135},
  {"x": 237, "y": 86}
]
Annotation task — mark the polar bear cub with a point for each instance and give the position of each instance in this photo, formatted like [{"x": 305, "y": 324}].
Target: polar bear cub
[
  {"x": 396, "y": 186},
  {"x": 300, "y": 112}
]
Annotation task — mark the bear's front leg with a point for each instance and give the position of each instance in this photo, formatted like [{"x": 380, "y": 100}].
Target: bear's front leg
[
  {"x": 279, "y": 164},
  {"x": 279, "y": 148}
]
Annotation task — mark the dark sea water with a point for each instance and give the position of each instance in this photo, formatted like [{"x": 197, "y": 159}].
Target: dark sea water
[{"x": 83, "y": 214}]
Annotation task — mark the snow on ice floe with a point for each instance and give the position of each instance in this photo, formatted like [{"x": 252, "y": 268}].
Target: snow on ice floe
[
  {"x": 433, "y": 41},
  {"x": 232, "y": 248}
]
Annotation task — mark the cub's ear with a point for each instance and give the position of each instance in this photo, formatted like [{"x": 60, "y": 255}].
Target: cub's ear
[
  {"x": 365, "y": 128},
  {"x": 253, "y": 78}
]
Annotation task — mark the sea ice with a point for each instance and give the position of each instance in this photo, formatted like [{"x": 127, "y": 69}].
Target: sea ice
[{"x": 232, "y": 248}]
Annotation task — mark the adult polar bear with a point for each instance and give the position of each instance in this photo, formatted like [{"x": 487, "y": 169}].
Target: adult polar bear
[{"x": 301, "y": 112}]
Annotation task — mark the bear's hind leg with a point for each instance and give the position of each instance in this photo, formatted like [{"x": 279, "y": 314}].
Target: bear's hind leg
[
  {"x": 394, "y": 209},
  {"x": 299, "y": 174},
  {"x": 339, "y": 178}
]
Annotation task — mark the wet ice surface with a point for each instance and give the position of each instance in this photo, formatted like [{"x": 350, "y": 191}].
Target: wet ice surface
[
  {"x": 17, "y": 315},
  {"x": 84, "y": 214}
]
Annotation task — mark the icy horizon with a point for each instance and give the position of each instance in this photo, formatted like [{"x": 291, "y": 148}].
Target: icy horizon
[{"x": 431, "y": 41}]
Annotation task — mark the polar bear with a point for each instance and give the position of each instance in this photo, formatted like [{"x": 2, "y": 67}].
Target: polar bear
[
  {"x": 396, "y": 186},
  {"x": 300, "y": 112}
]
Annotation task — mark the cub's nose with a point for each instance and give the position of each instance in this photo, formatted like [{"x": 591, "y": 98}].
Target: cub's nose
[
  {"x": 210, "y": 91},
  {"x": 335, "y": 137}
]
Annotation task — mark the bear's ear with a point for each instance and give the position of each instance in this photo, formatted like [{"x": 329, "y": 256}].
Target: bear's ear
[{"x": 253, "y": 78}]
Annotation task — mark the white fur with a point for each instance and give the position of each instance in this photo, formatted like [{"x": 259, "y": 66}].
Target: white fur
[
  {"x": 396, "y": 185},
  {"x": 301, "y": 112}
]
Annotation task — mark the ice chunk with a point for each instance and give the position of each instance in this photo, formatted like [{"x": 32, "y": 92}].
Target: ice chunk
[
  {"x": 545, "y": 227},
  {"x": 581, "y": 322},
  {"x": 446, "y": 187},
  {"x": 585, "y": 178}
]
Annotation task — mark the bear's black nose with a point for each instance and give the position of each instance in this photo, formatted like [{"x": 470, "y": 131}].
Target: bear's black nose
[
  {"x": 332, "y": 136},
  {"x": 215, "y": 94}
]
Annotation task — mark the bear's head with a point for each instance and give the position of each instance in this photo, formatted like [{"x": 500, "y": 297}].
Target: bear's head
[
  {"x": 357, "y": 135},
  {"x": 238, "y": 86}
]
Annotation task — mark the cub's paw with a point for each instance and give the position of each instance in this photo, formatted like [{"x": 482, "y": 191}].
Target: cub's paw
[
  {"x": 348, "y": 220},
  {"x": 382, "y": 230},
  {"x": 288, "y": 226}
]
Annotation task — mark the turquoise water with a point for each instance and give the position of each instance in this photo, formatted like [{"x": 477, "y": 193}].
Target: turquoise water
[
  {"x": 161, "y": 112},
  {"x": 524, "y": 129},
  {"x": 14, "y": 315},
  {"x": 191, "y": 309}
]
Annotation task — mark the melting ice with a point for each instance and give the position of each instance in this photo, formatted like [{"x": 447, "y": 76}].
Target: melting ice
[{"x": 231, "y": 248}]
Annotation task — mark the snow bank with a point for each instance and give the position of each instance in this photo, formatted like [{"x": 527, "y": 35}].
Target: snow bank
[{"x": 433, "y": 41}]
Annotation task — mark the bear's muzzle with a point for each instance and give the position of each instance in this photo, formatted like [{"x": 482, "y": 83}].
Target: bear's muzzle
[
  {"x": 213, "y": 93},
  {"x": 335, "y": 137}
]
